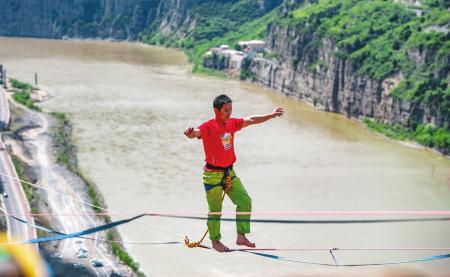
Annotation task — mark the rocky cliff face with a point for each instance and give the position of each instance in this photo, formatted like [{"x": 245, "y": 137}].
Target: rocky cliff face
[
  {"x": 118, "y": 19},
  {"x": 332, "y": 83},
  {"x": 14, "y": 14},
  {"x": 174, "y": 14}
]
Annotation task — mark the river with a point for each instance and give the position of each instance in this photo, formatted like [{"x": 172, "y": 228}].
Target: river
[{"x": 129, "y": 105}]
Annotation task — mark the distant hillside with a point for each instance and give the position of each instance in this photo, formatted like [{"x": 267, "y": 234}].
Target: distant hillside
[{"x": 127, "y": 19}]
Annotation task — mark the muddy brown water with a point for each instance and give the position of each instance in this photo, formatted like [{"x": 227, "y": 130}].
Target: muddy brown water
[{"x": 129, "y": 105}]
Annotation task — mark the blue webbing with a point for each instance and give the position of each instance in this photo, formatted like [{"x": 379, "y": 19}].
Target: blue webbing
[{"x": 270, "y": 256}]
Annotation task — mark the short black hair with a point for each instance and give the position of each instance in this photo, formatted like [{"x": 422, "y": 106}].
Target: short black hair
[{"x": 221, "y": 100}]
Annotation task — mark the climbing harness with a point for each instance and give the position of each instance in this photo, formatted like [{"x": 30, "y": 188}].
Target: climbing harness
[
  {"x": 226, "y": 185},
  {"x": 226, "y": 180}
]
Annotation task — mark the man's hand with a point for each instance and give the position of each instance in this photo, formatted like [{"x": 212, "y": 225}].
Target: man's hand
[
  {"x": 278, "y": 112},
  {"x": 191, "y": 132},
  {"x": 256, "y": 119}
]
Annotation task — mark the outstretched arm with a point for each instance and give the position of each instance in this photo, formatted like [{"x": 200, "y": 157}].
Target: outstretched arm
[
  {"x": 192, "y": 132},
  {"x": 256, "y": 119}
]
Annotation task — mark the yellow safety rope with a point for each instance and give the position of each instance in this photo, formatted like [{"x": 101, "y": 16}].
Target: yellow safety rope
[{"x": 198, "y": 243}]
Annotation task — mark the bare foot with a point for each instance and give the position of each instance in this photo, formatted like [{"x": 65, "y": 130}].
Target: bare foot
[
  {"x": 220, "y": 247},
  {"x": 243, "y": 240}
]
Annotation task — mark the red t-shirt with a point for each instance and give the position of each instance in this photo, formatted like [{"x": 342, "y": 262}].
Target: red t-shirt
[{"x": 218, "y": 141}]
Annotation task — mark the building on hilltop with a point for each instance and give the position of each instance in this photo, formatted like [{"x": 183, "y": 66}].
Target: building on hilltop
[{"x": 252, "y": 46}]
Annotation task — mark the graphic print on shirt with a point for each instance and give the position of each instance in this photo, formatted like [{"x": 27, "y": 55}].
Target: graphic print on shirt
[{"x": 226, "y": 141}]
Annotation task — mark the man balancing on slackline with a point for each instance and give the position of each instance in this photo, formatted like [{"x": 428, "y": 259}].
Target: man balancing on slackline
[{"x": 218, "y": 142}]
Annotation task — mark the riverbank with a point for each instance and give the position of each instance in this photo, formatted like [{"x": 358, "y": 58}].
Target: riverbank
[
  {"x": 424, "y": 137},
  {"x": 66, "y": 154},
  {"x": 43, "y": 153}
]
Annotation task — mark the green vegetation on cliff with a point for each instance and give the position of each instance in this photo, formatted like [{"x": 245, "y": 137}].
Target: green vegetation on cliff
[
  {"x": 254, "y": 29},
  {"x": 425, "y": 134},
  {"x": 218, "y": 22},
  {"x": 382, "y": 39},
  {"x": 376, "y": 35}
]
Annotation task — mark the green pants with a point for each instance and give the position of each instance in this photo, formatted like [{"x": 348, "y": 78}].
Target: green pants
[{"x": 238, "y": 196}]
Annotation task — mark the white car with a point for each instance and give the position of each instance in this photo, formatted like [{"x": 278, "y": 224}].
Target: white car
[
  {"x": 78, "y": 265},
  {"x": 82, "y": 253}
]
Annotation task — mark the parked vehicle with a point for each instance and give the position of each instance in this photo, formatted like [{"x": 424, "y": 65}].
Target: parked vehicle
[
  {"x": 57, "y": 256},
  {"x": 78, "y": 265},
  {"x": 96, "y": 263},
  {"x": 82, "y": 253}
]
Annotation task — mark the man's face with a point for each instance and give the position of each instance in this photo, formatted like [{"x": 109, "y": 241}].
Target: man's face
[{"x": 225, "y": 112}]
